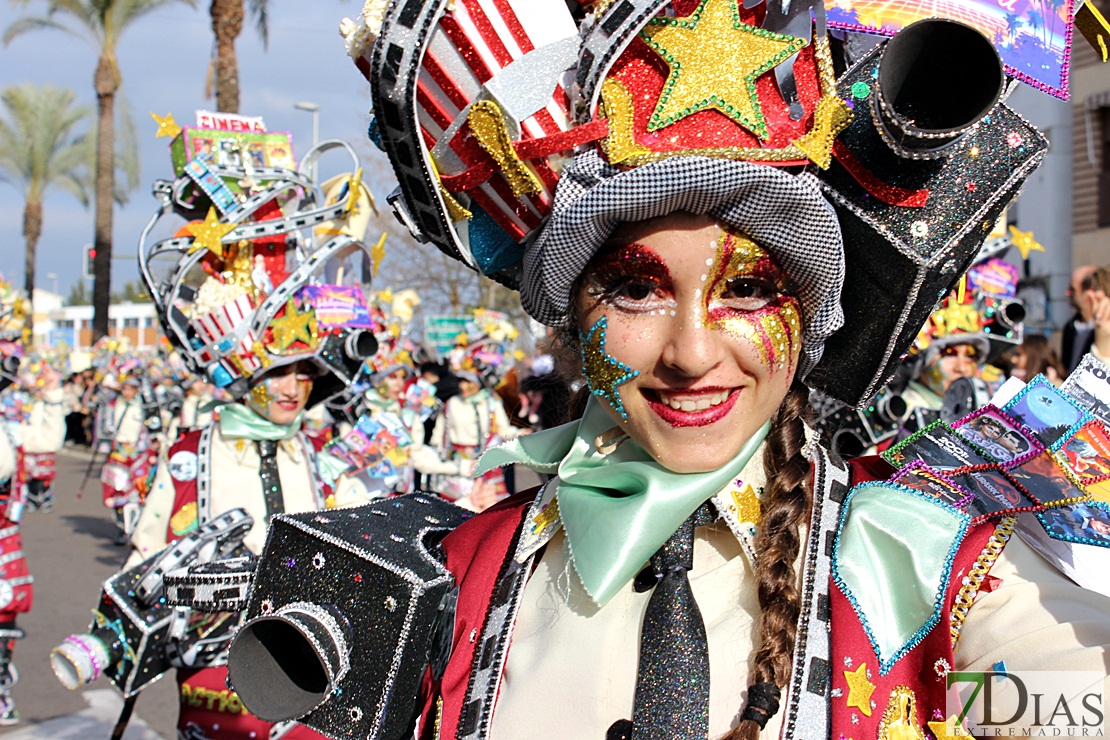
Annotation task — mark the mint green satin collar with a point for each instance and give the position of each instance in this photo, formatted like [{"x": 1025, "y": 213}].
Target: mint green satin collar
[
  {"x": 617, "y": 509},
  {"x": 238, "y": 421}
]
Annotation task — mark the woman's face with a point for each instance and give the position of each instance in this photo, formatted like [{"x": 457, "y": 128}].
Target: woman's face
[
  {"x": 955, "y": 361},
  {"x": 393, "y": 385},
  {"x": 468, "y": 388},
  {"x": 690, "y": 336},
  {"x": 282, "y": 394}
]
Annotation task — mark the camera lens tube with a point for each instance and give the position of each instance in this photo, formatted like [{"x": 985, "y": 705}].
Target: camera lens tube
[{"x": 79, "y": 660}]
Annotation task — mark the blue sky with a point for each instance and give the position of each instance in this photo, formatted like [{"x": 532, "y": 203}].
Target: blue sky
[{"x": 163, "y": 59}]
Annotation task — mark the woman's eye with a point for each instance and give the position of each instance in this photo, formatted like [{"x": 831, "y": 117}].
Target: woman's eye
[
  {"x": 748, "y": 294},
  {"x": 633, "y": 294}
]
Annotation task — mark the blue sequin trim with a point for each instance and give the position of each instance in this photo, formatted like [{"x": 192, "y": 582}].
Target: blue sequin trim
[
  {"x": 938, "y": 601},
  {"x": 1099, "y": 542}
]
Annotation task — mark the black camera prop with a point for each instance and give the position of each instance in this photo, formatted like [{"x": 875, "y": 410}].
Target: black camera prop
[
  {"x": 938, "y": 183},
  {"x": 136, "y": 636},
  {"x": 851, "y": 432},
  {"x": 964, "y": 396},
  {"x": 9, "y": 371},
  {"x": 344, "y": 614}
]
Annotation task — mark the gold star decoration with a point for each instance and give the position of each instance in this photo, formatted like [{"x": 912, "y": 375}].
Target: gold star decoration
[
  {"x": 948, "y": 729},
  {"x": 714, "y": 61},
  {"x": 831, "y": 117},
  {"x": 747, "y": 504},
  {"x": 354, "y": 190},
  {"x": 548, "y": 515},
  {"x": 1025, "y": 242},
  {"x": 955, "y": 317},
  {"x": 167, "y": 127},
  {"x": 859, "y": 689},
  {"x": 377, "y": 254},
  {"x": 209, "y": 234},
  {"x": 261, "y": 398},
  {"x": 603, "y": 371},
  {"x": 294, "y": 326}
]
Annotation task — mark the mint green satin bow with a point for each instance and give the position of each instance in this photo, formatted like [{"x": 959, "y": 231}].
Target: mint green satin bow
[
  {"x": 238, "y": 421},
  {"x": 617, "y": 509}
]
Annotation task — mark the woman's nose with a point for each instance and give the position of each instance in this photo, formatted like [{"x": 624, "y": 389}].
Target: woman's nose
[{"x": 690, "y": 347}]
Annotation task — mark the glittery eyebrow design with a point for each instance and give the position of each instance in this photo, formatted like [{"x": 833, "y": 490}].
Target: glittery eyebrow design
[
  {"x": 603, "y": 371},
  {"x": 630, "y": 261},
  {"x": 775, "y": 329}
]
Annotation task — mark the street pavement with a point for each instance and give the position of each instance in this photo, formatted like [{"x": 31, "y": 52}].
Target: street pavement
[{"x": 70, "y": 552}]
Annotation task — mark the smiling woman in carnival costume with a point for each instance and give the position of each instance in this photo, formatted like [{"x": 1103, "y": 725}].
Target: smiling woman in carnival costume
[{"x": 735, "y": 227}]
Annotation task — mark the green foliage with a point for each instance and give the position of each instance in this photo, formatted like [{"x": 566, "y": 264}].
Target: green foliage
[
  {"x": 45, "y": 141},
  {"x": 79, "y": 295},
  {"x": 133, "y": 292}
]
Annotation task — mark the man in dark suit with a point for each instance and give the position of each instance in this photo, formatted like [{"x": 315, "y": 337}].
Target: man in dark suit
[{"x": 1078, "y": 331}]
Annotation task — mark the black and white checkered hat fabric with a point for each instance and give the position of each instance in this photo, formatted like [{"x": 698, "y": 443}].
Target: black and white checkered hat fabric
[{"x": 782, "y": 212}]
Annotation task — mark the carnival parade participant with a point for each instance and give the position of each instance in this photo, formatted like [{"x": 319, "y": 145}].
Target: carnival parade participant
[
  {"x": 43, "y": 432},
  {"x": 198, "y": 394},
  {"x": 381, "y": 438},
  {"x": 698, "y": 568},
  {"x": 474, "y": 419},
  {"x": 122, "y": 429},
  {"x": 39, "y": 453},
  {"x": 250, "y": 315}
]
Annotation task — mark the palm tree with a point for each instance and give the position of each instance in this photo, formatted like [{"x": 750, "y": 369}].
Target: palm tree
[
  {"x": 227, "y": 23},
  {"x": 42, "y": 148},
  {"x": 101, "y": 23}
]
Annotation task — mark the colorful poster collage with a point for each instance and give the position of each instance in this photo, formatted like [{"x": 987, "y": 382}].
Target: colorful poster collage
[
  {"x": 377, "y": 446},
  {"x": 1042, "y": 452},
  {"x": 1032, "y": 37}
]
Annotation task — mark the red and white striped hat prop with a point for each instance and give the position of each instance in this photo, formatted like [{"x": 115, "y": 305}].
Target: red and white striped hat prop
[
  {"x": 479, "y": 86},
  {"x": 264, "y": 270}
]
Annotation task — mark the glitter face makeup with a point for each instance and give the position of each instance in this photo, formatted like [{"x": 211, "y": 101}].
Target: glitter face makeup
[
  {"x": 748, "y": 296},
  {"x": 690, "y": 338},
  {"x": 604, "y": 373},
  {"x": 282, "y": 394}
]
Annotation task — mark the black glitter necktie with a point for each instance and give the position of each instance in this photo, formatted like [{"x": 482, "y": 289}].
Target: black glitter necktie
[
  {"x": 672, "y": 687},
  {"x": 268, "y": 472}
]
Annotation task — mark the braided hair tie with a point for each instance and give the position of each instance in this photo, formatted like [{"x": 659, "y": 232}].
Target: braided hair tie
[{"x": 763, "y": 703}]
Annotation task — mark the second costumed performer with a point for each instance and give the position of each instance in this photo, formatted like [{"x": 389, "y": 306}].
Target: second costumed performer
[{"x": 242, "y": 312}]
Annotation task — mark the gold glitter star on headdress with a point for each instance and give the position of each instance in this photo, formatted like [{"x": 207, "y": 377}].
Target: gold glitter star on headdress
[
  {"x": 1025, "y": 242},
  {"x": 714, "y": 61},
  {"x": 294, "y": 326},
  {"x": 953, "y": 318},
  {"x": 167, "y": 127},
  {"x": 603, "y": 371},
  {"x": 859, "y": 689},
  {"x": 209, "y": 235}
]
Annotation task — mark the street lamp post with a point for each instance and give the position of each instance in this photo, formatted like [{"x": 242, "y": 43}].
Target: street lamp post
[
  {"x": 54, "y": 277},
  {"x": 315, "y": 111}
]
